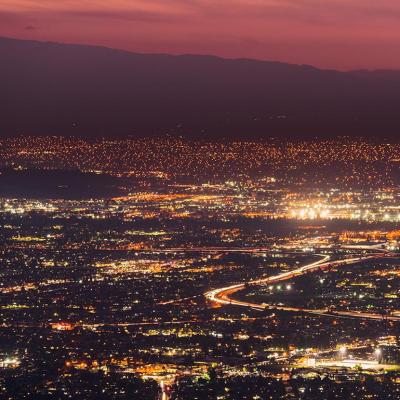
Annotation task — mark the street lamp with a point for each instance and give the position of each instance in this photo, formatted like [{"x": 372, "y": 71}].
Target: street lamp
[
  {"x": 378, "y": 354},
  {"x": 342, "y": 351}
]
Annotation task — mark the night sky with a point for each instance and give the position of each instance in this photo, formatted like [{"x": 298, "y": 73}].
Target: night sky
[{"x": 338, "y": 34}]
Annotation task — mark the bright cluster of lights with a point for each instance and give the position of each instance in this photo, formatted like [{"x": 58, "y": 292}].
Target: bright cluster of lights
[{"x": 310, "y": 213}]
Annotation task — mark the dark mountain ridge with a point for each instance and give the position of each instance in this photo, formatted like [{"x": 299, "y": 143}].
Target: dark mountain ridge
[{"x": 62, "y": 89}]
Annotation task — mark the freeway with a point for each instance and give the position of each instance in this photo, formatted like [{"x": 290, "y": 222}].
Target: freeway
[{"x": 223, "y": 295}]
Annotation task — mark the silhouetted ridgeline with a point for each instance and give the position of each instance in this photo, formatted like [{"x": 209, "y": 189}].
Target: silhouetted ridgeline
[{"x": 49, "y": 88}]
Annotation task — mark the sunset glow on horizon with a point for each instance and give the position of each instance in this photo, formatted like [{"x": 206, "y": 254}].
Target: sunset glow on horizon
[{"x": 339, "y": 34}]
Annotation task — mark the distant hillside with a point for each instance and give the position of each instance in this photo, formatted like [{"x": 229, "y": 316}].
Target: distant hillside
[{"x": 58, "y": 89}]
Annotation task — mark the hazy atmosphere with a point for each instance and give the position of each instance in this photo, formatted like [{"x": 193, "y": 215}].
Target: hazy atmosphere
[{"x": 337, "y": 34}]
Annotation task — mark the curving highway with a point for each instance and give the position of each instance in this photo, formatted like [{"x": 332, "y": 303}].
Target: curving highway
[{"x": 223, "y": 295}]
